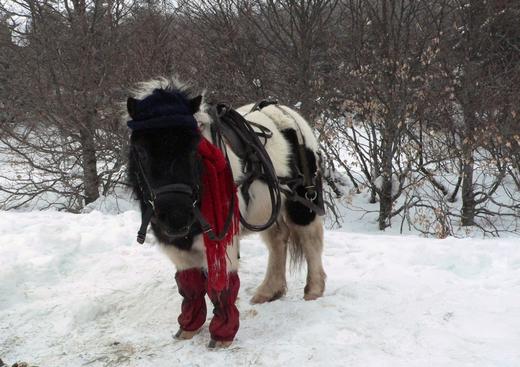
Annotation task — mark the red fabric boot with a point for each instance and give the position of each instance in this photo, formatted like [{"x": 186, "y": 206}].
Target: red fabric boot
[
  {"x": 225, "y": 321},
  {"x": 192, "y": 287}
]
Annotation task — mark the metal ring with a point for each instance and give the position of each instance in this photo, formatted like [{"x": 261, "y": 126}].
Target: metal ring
[{"x": 309, "y": 193}]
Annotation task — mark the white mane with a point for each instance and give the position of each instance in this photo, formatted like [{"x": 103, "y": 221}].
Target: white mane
[{"x": 146, "y": 88}]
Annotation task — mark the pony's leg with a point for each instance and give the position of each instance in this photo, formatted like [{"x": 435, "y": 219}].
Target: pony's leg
[
  {"x": 310, "y": 239},
  {"x": 274, "y": 285},
  {"x": 191, "y": 283},
  {"x": 225, "y": 322}
]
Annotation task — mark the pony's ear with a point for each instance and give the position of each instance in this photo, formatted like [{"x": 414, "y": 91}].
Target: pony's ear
[
  {"x": 131, "y": 106},
  {"x": 195, "y": 104}
]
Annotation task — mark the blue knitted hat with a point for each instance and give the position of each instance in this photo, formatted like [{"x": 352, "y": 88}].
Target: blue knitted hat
[{"x": 161, "y": 109}]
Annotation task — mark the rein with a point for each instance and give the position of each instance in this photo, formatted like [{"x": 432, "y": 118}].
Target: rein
[{"x": 239, "y": 132}]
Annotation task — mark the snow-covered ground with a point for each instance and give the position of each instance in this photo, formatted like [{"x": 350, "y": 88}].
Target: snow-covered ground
[{"x": 76, "y": 290}]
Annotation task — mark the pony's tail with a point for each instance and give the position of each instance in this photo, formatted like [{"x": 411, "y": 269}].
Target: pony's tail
[{"x": 296, "y": 254}]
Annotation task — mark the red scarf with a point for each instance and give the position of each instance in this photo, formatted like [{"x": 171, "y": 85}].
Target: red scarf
[{"x": 218, "y": 188}]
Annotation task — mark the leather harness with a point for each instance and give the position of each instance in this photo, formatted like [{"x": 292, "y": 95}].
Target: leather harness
[
  {"x": 229, "y": 128},
  {"x": 223, "y": 128}
]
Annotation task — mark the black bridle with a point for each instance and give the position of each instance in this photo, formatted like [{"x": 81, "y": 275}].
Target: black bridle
[{"x": 150, "y": 196}]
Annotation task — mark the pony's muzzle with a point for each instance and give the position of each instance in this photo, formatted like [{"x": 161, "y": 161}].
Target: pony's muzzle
[{"x": 174, "y": 215}]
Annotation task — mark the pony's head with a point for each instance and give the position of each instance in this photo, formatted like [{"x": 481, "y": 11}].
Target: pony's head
[{"x": 163, "y": 154}]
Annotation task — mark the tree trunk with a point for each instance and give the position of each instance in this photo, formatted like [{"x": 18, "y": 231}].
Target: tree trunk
[
  {"x": 89, "y": 163},
  {"x": 385, "y": 203},
  {"x": 385, "y": 192},
  {"x": 469, "y": 106},
  {"x": 468, "y": 196},
  {"x": 373, "y": 194}
]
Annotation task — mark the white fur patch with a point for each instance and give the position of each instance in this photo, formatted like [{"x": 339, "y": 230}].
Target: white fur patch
[
  {"x": 193, "y": 258},
  {"x": 310, "y": 139},
  {"x": 144, "y": 89},
  {"x": 277, "y": 147},
  {"x": 203, "y": 119}
]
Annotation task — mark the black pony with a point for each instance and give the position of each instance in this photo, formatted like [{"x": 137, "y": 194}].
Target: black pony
[
  {"x": 166, "y": 154},
  {"x": 182, "y": 179}
]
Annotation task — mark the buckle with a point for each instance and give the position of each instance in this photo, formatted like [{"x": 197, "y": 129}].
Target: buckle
[
  {"x": 311, "y": 195},
  {"x": 141, "y": 238}
]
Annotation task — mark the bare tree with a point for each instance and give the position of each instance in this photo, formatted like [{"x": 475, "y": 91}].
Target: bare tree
[
  {"x": 482, "y": 77},
  {"x": 298, "y": 36},
  {"x": 415, "y": 101},
  {"x": 387, "y": 50},
  {"x": 62, "y": 73}
]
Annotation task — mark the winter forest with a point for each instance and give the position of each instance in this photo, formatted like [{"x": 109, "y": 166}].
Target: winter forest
[
  {"x": 416, "y": 107},
  {"x": 414, "y": 102}
]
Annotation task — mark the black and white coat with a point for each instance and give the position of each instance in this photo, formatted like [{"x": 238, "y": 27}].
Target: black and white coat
[{"x": 297, "y": 229}]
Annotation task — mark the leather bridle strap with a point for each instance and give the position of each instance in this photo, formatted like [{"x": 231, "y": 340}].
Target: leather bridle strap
[
  {"x": 206, "y": 227},
  {"x": 145, "y": 221},
  {"x": 174, "y": 188},
  {"x": 141, "y": 175}
]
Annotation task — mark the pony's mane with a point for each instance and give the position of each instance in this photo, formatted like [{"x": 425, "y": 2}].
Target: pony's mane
[
  {"x": 146, "y": 88},
  {"x": 172, "y": 83}
]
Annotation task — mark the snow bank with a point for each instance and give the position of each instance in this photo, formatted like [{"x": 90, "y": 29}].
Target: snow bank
[
  {"x": 119, "y": 201},
  {"x": 77, "y": 290}
]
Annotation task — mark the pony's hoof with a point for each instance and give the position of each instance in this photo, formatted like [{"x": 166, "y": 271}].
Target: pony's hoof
[
  {"x": 213, "y": 344},
  {"x": 263, "y": 298},
  {"x": 311, "y": 296},
  {"x": 259, "y": 298},
  {"x": 186, "y": 335},
  {"x": 314, "y": 290}
]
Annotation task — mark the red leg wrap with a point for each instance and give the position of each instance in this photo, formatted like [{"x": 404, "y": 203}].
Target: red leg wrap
[
  {"x": 225, "y": 321},
  {"x": 192, "y": 287}
]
